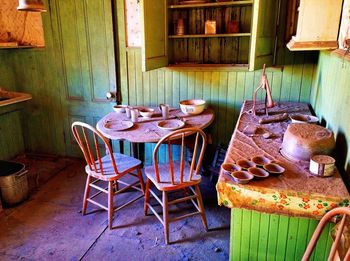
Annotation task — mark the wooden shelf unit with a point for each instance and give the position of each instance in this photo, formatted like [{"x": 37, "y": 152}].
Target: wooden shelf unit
[
  {"x": 253, "y": 44},
  {"x": 218, "y": 4},
  {"x": 210, "y": 35}
]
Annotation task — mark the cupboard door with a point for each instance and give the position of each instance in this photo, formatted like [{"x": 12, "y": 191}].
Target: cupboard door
[
  {"x": 263, "y": 37},
  {"x": 154, "y": 34}
]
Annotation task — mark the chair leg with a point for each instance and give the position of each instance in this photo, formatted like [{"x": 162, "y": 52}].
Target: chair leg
[
  {"x": 201, "y": 207},
  {"x": 110, "y": 204},
  {"x": 115, "y": 185},
  {"x": 139, "y": 174},
  {"x": 86, "y": 194},
  {"x": 165, "y": 216},
  {"x": 148, "y": 182}
]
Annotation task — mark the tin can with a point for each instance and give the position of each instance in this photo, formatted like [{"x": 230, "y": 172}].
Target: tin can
[{"x": 322, "y": 165}]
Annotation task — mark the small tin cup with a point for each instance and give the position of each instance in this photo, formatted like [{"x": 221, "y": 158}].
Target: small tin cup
[
  {"x": 134, "y": 115},
  {"x": 165, "y": 108},
  {"x": 322, "y": 165},
  {"x": 128, "y": 111}
]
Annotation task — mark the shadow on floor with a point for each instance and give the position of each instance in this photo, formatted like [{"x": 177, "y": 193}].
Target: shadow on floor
[{"x": 50, "y": 226}]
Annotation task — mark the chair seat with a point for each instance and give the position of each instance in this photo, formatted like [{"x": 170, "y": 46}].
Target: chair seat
[
  {"x": 124, "y": 164},
  {"x": 164, "y": 174}
]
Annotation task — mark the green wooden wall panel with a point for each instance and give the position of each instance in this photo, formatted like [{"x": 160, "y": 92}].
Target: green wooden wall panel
[
  {"x": 58, "y": 74},
  {"x": 261, "y": 236},
  {"x": 224, "y": 91},
  {"x": 11, "y": 137},
  {"x": 330, "y": 98}
]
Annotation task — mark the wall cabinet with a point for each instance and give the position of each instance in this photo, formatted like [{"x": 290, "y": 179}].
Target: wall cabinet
[
  {"x": 19, "y": 29},
  {"x": 314, "y": 23},
  {"x": 173, "y": 33}
]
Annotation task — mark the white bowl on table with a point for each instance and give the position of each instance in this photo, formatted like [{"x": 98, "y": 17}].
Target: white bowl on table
[
  {"x": 146, "y": 112},
  {"x": 192, "y": 107},
  {"x": 119, "y": 108}
]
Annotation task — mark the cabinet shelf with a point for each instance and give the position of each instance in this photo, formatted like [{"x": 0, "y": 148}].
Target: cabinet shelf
[
  {"x": 203, "y": 5},
  {"x": 209, "y": 35}
]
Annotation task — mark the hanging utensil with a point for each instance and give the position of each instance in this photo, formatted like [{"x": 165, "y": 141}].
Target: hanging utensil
[{"x": 31, "y": 6}]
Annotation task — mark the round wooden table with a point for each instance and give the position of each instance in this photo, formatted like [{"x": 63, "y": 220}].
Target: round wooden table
[{"x": 146, "y": 130}]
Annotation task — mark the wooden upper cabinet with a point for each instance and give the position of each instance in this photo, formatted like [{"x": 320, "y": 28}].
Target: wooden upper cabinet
[
  {"x": 315, "y": 24},
  {"x": 154, "y": 34},
  {"x": 262, "y": 48},
  {"x": 174, "y": 33}
]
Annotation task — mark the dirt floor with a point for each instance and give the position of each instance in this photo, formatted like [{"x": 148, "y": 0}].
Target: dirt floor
[{"x": 49, "y": 225}]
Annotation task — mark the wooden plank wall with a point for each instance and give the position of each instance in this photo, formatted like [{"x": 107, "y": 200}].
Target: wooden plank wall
[
  {"x": 331, "y": 100},
  {"x": 260, "y": 236},
  {"x": 41, "y": 73},
  {"x": 223, "y": 90},
  {"x": 68, "y": 78}
]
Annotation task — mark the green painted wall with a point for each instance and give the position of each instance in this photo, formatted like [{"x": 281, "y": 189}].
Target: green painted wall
[
  {"x": 331, "y": 101},
  {"x": 68, "y": 78},
  {"x": 224, "y": 91},
  {"x": 67, "y": 82},
  {"x": 261, "y": 236}
]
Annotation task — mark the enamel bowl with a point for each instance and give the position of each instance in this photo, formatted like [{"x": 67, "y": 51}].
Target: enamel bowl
[
  {"x": 228, "y": 168},
  {"x": 245, "y": 164},
  {"x": 258, "y": 172},
  {"x": 146, "y": 112},
  {"x": 119, "y": 108},
  {"x": 302, "y": 118},
  {"x": 260, "y": 160},
  {"x": 192, "y": 107},
  {"x": 274, "y": 168},
  {"x": 242, "y": 177}
]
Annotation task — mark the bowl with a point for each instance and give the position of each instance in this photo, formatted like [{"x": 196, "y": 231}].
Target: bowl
[
  {"x": 258, "y": 172},
  {"x": 228, "y": 168},
  {"x": 242, "y": 177},
  {"x": 274, "y": 169},
  {"x": 146, "y": 112},
  {"x": 260, "y": 160},
  {"x": 245, "y": 164},
  {"x": 303, "y": 140},
  {"x": 192, "y": 107},
  {"x": 302, "y": 118},
  {"x": 119, "y": 108}
]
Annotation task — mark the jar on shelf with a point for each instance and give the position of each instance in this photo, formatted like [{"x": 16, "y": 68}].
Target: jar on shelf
[
  {"x": 232, "y": 27},
  {"x": 180, "y": 27}
]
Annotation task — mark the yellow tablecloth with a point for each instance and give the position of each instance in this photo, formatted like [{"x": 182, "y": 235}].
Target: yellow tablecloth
[{"x": 296, "y": 192}]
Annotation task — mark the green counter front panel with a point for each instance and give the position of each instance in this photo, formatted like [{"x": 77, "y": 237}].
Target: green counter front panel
[{"x": 259, "y": 236}]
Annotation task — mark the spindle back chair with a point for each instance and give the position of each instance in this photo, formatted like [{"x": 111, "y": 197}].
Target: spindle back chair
[
  {"x": 109, "y": 168},
  {"x": 345, "y": 211},
  {"x": 179, "y": 175}
]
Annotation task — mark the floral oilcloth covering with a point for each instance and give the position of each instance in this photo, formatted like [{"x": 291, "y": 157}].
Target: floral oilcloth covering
[
  {"x": 294, "y": 193},
  {"x": 270, "y": 201}
]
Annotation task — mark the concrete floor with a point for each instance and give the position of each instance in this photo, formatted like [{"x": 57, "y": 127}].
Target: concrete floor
[{"x": 49, "y": 226}]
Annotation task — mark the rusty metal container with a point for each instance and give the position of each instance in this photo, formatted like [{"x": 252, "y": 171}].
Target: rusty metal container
[{"x": 13, "y": 183}]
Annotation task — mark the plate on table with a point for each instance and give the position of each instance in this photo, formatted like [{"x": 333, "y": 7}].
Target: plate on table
[
  {"x": 118, "y": 125},
  {"x": 170, "y": 124}
]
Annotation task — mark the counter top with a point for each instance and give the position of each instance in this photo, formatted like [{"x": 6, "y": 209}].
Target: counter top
[
  {"x": 294, "y": 193},
  {"x": 7, "y": 97}
]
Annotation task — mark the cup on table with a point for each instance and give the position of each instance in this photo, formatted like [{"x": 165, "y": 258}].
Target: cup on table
[
  {"x": 165, "y": 108},
  {"x": 134, "y": 115},
  {"x": 128, "y": 111}
]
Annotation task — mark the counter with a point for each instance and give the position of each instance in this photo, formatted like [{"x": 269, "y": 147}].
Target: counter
[{"x": 285, "y": 208}]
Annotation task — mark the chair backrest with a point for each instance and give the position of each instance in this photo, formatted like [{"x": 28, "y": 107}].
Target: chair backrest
[
  {"x": 195, "y": 162},
  {"x": 345, "y": 211},
  {"x": 89, "y": 140}
]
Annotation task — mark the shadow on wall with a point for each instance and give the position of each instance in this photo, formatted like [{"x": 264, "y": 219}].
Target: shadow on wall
[{"x": 341, "y": 152}]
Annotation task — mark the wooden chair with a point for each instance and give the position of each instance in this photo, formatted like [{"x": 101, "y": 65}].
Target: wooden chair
[
  {"x": 109, "y": 168},
  {"x": 176, "y": 176},
  {"x": 345, "y": 211}
]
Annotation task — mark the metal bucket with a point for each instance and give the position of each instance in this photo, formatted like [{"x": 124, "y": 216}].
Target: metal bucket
[{"x": 13, "y": 183}]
